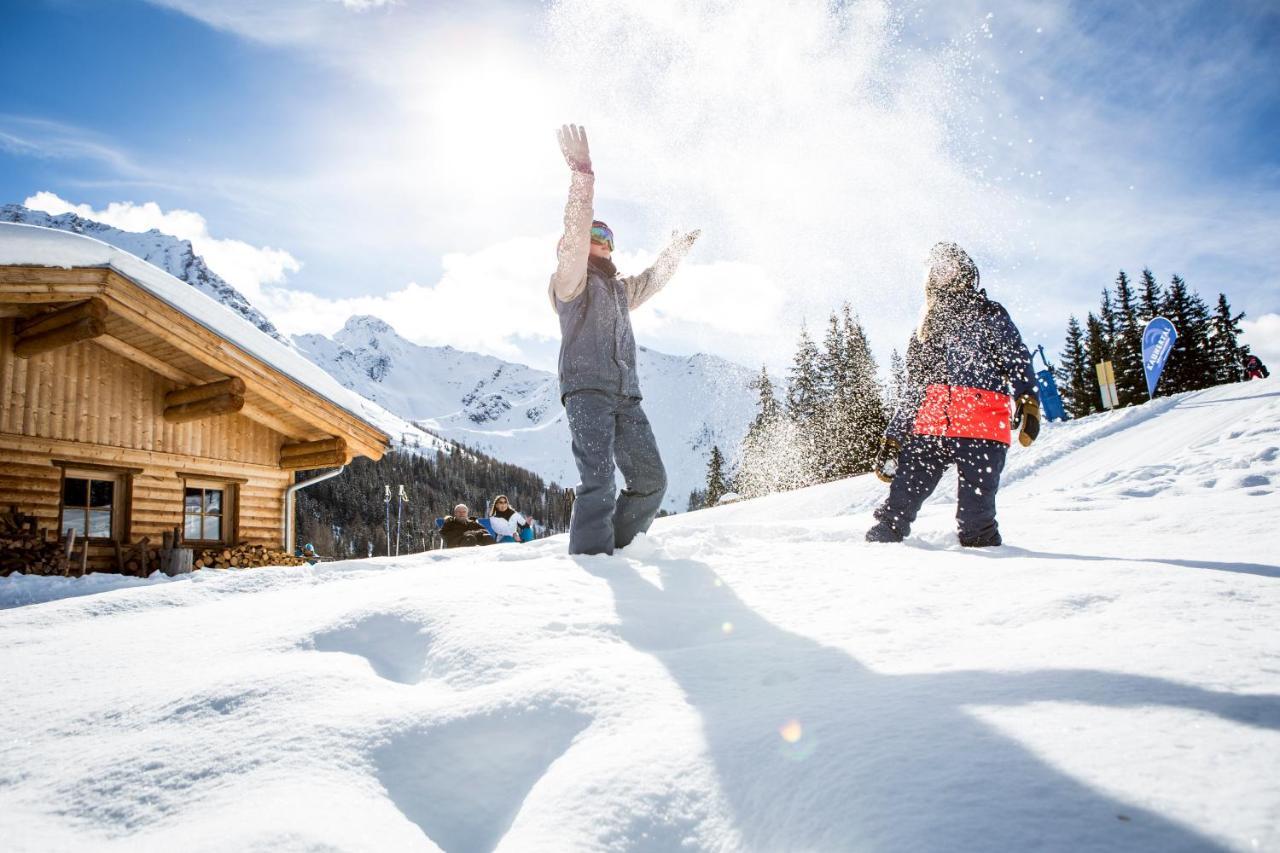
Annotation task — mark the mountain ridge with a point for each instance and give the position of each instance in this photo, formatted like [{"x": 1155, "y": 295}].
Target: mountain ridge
[{"x": 171, "y": 254}]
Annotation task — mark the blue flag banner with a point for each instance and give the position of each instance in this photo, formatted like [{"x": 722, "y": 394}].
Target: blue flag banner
[{"x": 1157, "y": 343}]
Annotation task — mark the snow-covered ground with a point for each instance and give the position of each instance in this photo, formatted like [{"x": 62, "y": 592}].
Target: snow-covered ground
[{"x": 752, "y": 677}]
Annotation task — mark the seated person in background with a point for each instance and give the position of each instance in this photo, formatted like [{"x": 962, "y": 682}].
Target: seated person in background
[
  {"x": 504, "y": 520},
  {"x": 309, "y": 554},
  {"x": 460, "y": 530},
  {"x": 1254, "y": 368}
]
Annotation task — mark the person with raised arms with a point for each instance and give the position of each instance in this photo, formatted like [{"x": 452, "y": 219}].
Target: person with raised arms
[{"x": 598, "y": 382}]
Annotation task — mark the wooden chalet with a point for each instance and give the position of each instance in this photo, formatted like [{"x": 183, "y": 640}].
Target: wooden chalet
[{"x": 132, "y": 405}]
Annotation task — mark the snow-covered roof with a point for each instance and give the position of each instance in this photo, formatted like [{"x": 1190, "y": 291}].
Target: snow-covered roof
[{"x": 31, "y": 245}]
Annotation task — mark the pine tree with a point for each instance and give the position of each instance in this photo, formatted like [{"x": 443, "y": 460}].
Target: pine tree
[
  {"x": 831, "y": 431},
  {"x": 768, "y": 411},
  {"x": 1188, "y": 367},
  {"x": 1226, "y": 354},
  {"x": 1097, "y": 350},
  {"x": 1131, "y": 382},
  {"x": 716, "y": 486},
  {"x": 773, "y": 455},
  {"x": 1073, "y": 374},
  {"x": 1151, "y": 300},
  {"x": 804, "y": 382},
  {"x": 831, "y": 361},
  {"x": 897, "y": 382},
  {"x": 697, "y": 500},
  {"x": 863, "y": 398},
  {"x": 1205, "y": 373},
  {"x": 1107, "y": 317}
]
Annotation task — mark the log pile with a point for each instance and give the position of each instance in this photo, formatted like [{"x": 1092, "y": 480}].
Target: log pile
[
  {"x": 138, "y": 559},
  {"x": 244, "y": 556},
  {"x": 23, "y": 547}
]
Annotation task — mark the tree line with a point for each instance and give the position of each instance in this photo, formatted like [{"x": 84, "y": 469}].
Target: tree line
[
  {"x": 828, "y": 426},
  {"x": 1207, "y": 351},
  {"x": 835, "y": 407},
  {"x": 345, "y": 516}
]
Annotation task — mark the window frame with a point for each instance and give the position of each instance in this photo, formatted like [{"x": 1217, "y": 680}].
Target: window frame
[
  {"x": 229, "y": 512},
  {"x": 121, "y": 499}
]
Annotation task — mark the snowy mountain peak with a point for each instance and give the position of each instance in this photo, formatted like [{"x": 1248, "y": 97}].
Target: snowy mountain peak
[
  {"x": 513, "y": 412},
  {"x": 365, "y": 327},
  {"x": 169, "y": 253}
]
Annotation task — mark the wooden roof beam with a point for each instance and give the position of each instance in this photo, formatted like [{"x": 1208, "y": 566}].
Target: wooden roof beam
[
  {"x": 223, "y": 397},
  {"x": 208, "y": 407},
  {"x": 323, "y": 459},
  {"x": 61, "y": 327},
  {"x": 314, "y": 454},
  {"x": 233, "y": 386},
  {"x": 168, "y": 371}
]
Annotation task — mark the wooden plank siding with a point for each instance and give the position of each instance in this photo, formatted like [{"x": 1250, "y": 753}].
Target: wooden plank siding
[{"x": 84, "y": 402}]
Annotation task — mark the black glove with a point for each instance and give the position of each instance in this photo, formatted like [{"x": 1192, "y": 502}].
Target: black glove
[
  {"x": 887, "y": 459},
  {"x": 1027, "y": 414}
]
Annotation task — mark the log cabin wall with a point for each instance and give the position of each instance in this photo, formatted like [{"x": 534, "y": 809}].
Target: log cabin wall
[{"x": 84, "y": 403}]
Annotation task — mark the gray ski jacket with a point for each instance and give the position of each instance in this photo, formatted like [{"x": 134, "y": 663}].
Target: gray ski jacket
[{"x": 597, "y": 346}]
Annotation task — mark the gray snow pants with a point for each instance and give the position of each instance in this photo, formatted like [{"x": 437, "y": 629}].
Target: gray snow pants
[{"x": 610, "y": 429}]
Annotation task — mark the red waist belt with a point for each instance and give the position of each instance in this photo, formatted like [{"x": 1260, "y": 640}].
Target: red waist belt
[{"x": 957, "y": 411}]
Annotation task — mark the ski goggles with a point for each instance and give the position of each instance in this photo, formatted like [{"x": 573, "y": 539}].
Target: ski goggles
[{"x": 602, "y": 234}]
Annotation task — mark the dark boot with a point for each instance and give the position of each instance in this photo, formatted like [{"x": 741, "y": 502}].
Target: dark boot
[
  {"x": 883, "y": 532},
  {"x": 989, "y": 539}
]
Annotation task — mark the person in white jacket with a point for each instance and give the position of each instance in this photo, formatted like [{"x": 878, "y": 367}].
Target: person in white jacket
[{"x": 504, "y": 520}]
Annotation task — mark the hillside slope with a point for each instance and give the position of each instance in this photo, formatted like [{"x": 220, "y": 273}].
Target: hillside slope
[{"x": 753, "y": 677}]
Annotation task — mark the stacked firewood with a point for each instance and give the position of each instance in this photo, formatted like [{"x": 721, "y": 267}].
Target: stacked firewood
[
  {"x": 23, "y": 548},
  {"x": 245, "y": 556}
]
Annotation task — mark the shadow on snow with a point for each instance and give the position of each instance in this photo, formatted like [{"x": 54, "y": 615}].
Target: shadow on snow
[{"x": 885, "y": 762}]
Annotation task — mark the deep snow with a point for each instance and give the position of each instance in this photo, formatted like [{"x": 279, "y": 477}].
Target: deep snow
[{"x": 750, "y": 677}]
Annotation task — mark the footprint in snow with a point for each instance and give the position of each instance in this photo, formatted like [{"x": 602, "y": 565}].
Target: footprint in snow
[
  {"x": 463, "y": 782},
  {"x": 394, "y": 645}
]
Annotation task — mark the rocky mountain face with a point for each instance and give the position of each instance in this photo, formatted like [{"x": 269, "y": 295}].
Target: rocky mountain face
[
  {"x": 170, "y": 254},
  {"x": 513, "y": 412}
]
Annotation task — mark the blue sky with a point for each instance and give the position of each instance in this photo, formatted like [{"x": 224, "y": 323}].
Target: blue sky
[{"x": 397, "y": 158}]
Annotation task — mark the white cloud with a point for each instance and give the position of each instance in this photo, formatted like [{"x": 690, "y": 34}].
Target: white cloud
[
  {"x": 245, "y": 267},
  {"x": 361, "y": 5},
  {"x": 495, "y": 301},
  {"x": 28, "y": 136},
  {"x": 821, "y": 146},
  {"x": 1263, "y": 337}
]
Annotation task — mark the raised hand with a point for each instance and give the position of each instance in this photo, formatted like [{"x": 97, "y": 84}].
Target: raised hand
[
  {"x": 573, "y": 144},
  {"x": 682, "y": 243}
]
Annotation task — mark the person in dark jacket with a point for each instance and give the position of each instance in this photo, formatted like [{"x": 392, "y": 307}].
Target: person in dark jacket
[
  {"x": 598, "y": 382},
  {"x": 460, "y": 530},
  {"x": 1254, "y": 368},
  {"x": 966, "y": 365}
]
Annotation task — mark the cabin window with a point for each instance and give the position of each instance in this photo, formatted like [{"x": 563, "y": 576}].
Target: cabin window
[
  {"x": 203, "y": 513},
  {"x": 90, "y": 504},
  {"x": 208, "y": 509}
]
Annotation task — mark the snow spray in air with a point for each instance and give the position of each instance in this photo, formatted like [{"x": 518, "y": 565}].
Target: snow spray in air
[{"x": 802, "y": 136}]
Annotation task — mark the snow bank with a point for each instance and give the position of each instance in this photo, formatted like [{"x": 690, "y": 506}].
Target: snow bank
[
  {"x": 750, "y": 677},
  {"x": 18, "y": 590}
]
